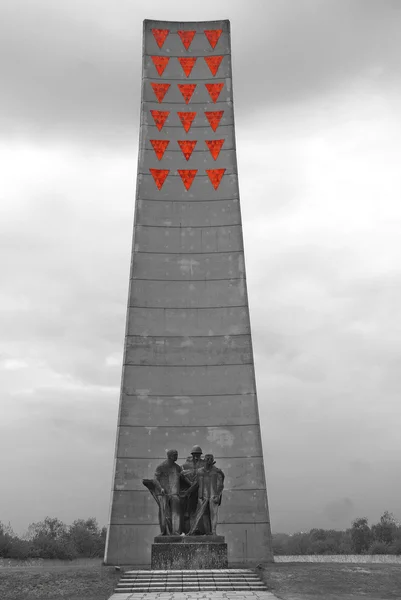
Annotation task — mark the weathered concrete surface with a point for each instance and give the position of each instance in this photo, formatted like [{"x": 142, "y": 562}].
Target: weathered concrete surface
[
  {"x": 151, "y": 265},
  {"x": 246, "y": 542},
  {"x": 237, "y": 471},
  {"x": 146, "y": 410},
  {"x": 242, "y": 441},
  {"x": 188, "y": 213},
  {"x": 133, "y": 506},
  {"x": 188, "y": 374},
  {"x": 189, "y": 556},
  {"x": 229, "y": 320},
  {"x": 195, "y": 351},
  {"x": 188, "y": 294},
  {"x": 189, "y": 239}
]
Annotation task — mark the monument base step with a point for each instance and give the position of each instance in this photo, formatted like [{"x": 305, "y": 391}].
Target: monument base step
[
  {"x": 189, "y": 539},
  {"x": 188, "y": 555},
  {"x": 202, "y": 580}
]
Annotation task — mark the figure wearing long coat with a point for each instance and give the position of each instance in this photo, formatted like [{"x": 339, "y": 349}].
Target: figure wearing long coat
[{"x": 210, "y": 485}]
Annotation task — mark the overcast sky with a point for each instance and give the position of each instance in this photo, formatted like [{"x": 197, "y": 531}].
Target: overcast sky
[{"x": 317, "y": 94}]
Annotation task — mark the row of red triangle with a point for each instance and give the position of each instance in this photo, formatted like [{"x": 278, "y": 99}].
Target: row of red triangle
[
  {"x": 187, "y": 147},
  {"x": 187, "y": 89},
  {"x": 186, "y": 118},
  {"x": 187, "y": 63},
  {"x": 212, "y": 35},
  {"x": 187, "y": 176}
]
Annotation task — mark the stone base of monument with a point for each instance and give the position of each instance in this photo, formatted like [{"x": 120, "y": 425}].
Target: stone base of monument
[{"x": 189, "y": 552}]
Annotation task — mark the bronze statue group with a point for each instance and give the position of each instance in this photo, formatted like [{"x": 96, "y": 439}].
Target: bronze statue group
[{"x": 188, "y": 497}]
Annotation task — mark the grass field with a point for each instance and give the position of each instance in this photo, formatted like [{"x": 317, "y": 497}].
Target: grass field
[
  {"x": 333, "y": 581},
  {"x": 89, "y": 582},
  {"x": 288, "y": 581}
]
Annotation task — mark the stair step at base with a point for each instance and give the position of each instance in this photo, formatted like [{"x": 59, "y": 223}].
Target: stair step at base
[{"x": 182, "y": 582}]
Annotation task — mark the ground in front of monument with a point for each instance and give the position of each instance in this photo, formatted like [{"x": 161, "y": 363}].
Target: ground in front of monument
[{"x": 286, "y": 581}]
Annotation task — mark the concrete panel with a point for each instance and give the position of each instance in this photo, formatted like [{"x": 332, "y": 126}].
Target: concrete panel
[
  {"x": 173, "y": 70},
  {"x": 200, "y": 123},
  {"x": 188, "y": 239},
  {"x": 188, "y": 294},
  {"x": 188, "y": 322},
  {"x": 188, "y": 410},
  {"x": 200, "y": 95},
  {"x": 138, "y": 507},
  {"x": 173, "y": 45},
  {"x": 221, "y": 350},
  {"x": 185, "y": 381},
  {"x": 247, "y": 543},
  {"x": 200, "y": 159},
  {"x": 153, "y": 442},
  {"x": 239, "y": 473},
  {"x": 131, "y": 508},
  {"x": 188, "y": 213},
  {"x": 130, "y": 545},
  {"x": 200, "y": 130},
  {"x": 213, "y": 265},
  {"x": 173, "y": 187},
  {"x": 243, "y": 506}
]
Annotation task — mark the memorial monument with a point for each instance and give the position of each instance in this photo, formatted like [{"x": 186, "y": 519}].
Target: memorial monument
[
  {"x": 188, "y": 373},
  {"x": 171, "y": 488}
]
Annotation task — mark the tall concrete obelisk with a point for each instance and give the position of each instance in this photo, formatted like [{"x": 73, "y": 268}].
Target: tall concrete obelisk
[{"x": 188, "y": 375}]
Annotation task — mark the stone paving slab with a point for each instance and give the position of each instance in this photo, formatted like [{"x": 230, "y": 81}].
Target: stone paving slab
[{"x": 206, "y": 595}]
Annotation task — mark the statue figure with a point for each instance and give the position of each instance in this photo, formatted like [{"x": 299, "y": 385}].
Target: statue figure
[
  {"x": 190, "y": 501},
  {"x": 210, "y": 485},
  {"x": 165, "y": 489},
  {"x": 194, "y": 462}
]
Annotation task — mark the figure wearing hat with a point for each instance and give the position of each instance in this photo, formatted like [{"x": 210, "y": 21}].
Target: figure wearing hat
[{"x": 189, "y": 470}]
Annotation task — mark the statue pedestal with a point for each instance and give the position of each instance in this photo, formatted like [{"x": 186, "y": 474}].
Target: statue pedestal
[{"x": 189, "y": 552}]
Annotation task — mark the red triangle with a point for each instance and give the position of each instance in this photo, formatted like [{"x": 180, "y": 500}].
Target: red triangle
[
  {"x": 215, "y": 176},
  {"x": 214, "y": 118},
  {"x": 160, "y": 90},
  {"x": 159, "y": 146},
  {"x": 159, "y": 175},
  {"x": 187, "y": 147},
  {"x": 187, "y": 176},
  {"x": 213, "y": 62},
  {"x": 214, "y": 90},
  {"x": 187, "y": 89},
  {"x": 214, "y": 147},
  {"x": 160, "y": 36},
  {"x": 213, "y": 36},
  {"x": 160, "y": 63},
  {"x": 187, "y": 63},
  {"x": 186, "y": 119},
  {"x": 159, "y": 117},
  {"x": 186, "y": 37}
]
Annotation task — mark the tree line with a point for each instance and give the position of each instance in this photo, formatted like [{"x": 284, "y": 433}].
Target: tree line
[
  {"x": 51, "y": 538},
  {"x": 383, "y": 537}
]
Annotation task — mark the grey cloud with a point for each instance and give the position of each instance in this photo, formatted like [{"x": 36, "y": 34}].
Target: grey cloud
[
  {"x": 64, "y": 455},
  {"x": 65, "y": 77},
  {"x": 66, "y": 303},
  {"x": 361, "y": 468},
  {"x": 66, "y": 74},
  {"x": 309, "y": 47},
  {"x": 339, "y": 511}
]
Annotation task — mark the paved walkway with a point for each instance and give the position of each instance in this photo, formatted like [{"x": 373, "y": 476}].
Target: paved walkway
[{"x": 262, "y": 595}]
